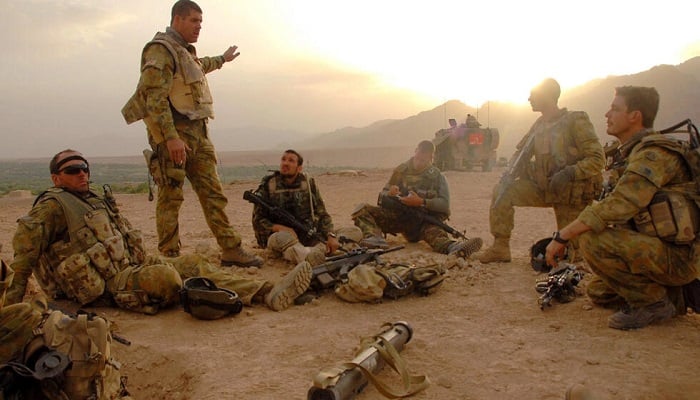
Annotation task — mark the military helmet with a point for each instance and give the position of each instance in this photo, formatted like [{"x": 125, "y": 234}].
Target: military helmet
[
  {"x": 204, "y": 300},
  {"x": 538, "y": 253}
]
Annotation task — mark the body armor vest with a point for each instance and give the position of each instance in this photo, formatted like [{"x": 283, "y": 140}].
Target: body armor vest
[
  {"x": 189, "y": 93},
  {"x": 99, "y": 244},
  {"x": 673, "y": 214},
  {"x": 553, "y": 150},
  {"x": 297, "y": 200}
]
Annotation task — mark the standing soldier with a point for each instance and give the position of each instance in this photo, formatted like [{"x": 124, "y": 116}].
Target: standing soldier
[
  {"x": 174, "y": 101},
  {"x": 565, "y": 174}
]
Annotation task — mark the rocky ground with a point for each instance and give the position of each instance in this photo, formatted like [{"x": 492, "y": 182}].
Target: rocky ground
[{"x": 482, "y": 335}]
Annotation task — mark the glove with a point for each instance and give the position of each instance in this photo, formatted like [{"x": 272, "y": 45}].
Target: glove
[{"x": 558, "y": 181}]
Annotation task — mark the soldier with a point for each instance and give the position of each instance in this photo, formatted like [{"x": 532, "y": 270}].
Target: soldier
[
  {"x": 174, "y": 101},
  {"x": 80, "y": 247},
  {"x": 623, "y": 238},
  {"x": 566, "y": 173},
  {"x": 298, "y": 194},
  {"x": 418, "y": 185}
]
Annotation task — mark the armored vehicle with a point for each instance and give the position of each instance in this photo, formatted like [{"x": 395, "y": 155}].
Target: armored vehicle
[{"x": 466, "y": 146}]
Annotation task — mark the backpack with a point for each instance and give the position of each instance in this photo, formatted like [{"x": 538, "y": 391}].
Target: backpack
[
  {"x": 72, "y": 358},
  {"x": 370, "y": 283}
]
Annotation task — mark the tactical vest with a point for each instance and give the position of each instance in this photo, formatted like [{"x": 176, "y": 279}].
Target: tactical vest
[
  {"x": 99, "y": 244},
  {"x": 554, "y": 149},
  {"x": 673, "y": 214},
  {"x": 189, "y": 93},
  {"x": 426, "y": 184},
  {"x": 297, "y": 200}
]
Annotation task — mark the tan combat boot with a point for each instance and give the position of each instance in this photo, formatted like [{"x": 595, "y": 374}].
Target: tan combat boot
[
  {"x": 293, "y": 285},
  {"x": 239, "y": 257},
  {"x": 499, "y": 252}
]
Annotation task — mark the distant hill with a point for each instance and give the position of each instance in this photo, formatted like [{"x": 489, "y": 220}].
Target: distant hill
[{"x": 679, "y": 87}]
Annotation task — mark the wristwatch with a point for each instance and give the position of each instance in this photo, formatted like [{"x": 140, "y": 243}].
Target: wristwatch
[{"x": 556, "y": 236}]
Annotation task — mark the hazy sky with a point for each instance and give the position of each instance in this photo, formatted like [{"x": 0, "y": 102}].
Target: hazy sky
[{"x": 314, "y": 66}]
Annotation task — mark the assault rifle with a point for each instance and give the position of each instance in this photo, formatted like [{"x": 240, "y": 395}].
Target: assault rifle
[
  {"x": 560, "y": 284},
  {"x": 393, "y": 203},
  {"x": 515, "y": 166},
  {"x": 336, "y": 268},
  {"x": 283, "y": 216}
]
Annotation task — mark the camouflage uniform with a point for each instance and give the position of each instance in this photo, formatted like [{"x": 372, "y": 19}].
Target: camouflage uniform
[
  {"x": 303, "y": 200},
  {"x": 52, "y": 234},
  {"x": 154, "y": 103},
  {"x": 430, "y": 184},
  {"x": 637, "y": 267},
  {"x": 16, "y": 322},
  {"x": 568, "y": 140}
]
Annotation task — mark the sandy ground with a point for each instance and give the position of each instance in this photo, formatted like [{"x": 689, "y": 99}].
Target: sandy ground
[{"x": 481, "y": 336}]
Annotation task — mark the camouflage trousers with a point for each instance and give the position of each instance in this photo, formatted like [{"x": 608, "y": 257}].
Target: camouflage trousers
[
  {"x": 200, "y": 170},
  {"x": 640, "y": 269},
  {"x": 525, "y": 193},
  {"x": 193, "y": 265},
  {"x": 156, "y": 284},
  {"x": 373, "y": 220}
]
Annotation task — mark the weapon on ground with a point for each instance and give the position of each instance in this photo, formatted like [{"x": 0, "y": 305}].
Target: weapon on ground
[
  {"x": 336, "y": 268},
  {"x": 345, "y": 381},
  {"x": 515, "y": 167},
  {"x": 419, "y": 214},
  {"x": 560, "y": 284},
  {"x": 283, "y": 216}
]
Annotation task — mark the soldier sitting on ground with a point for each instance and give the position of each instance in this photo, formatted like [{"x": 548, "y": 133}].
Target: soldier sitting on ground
[
  {"x": 81, "y": 248},
  {"x": 296, "y": 193},
  {"x": 416, "y": 185}
]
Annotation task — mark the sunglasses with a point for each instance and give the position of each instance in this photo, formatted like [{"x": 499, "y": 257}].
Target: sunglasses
[{"x": 75, "y": 169}]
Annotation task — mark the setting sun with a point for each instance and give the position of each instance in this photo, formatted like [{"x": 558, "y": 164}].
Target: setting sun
[{"x": 471, "y": 52}]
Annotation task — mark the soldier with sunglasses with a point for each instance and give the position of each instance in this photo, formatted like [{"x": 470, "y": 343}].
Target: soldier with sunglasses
[{"x": 81, "y": 248}]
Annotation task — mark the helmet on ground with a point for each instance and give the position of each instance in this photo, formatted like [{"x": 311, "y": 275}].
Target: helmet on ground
[
  {"x": 538, "y": 253},
  {"x": 204, "y": 300}
]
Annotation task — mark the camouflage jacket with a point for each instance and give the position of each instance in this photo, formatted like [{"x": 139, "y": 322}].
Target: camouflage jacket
[
  {"x": 568, "y": 139},
  {"x": 42, "y": 240},
  {"x": 17, "y": 321},
  {"x": 429, "y": 184},
  {"x": 157, "y": 74},
  {"x": 645, "y": 169},
  {"x": 302, "y": 199}
]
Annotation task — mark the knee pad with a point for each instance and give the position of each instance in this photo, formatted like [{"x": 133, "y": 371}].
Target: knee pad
[
  {"x": 351, "y": 232},
  {"x": 281, "y": 241}
]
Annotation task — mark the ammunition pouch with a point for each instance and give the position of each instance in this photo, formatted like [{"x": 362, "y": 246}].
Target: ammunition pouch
[
  {"x": 671, "y": 216},
  {"x": 78, "y": 279}
]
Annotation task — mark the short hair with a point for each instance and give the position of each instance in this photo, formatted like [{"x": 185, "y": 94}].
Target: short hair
[
  {"x": 425, "y": 146},
  {"x": 300, "y": 159},
  {"x": 642, "y": 99},
  {"x": 550, "y": 88},
  {"x": 183, "y": 8},
  {"x": 54, "y": 165}
]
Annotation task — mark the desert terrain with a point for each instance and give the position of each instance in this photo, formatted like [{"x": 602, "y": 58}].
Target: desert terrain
[{"x": 482, "y": 335}]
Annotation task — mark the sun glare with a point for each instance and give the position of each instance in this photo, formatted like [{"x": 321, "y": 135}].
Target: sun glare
[{"x": 471, "y": 52}]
